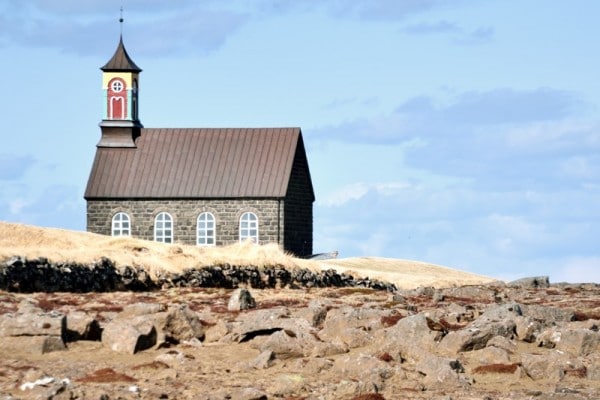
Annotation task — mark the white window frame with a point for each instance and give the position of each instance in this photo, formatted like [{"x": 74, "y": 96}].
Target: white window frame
[
  {"x": 121, "y": 225},
  {"x": 206, "y": 229},
  {"x": 249, "y": 227},
  {"x": 163, "y": 228}
]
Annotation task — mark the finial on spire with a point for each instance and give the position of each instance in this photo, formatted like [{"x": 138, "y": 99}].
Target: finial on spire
[{"x": 121, "y": 20}]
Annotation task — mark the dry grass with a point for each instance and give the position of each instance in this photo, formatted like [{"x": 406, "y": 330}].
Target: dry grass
[
  {"x": 106, "y": 375},
  {"x": 496, "y": 369},
  {"x": 59, "y": 245}
]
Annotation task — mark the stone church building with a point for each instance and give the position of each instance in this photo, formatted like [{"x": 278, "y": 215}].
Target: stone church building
[{"x": 201, "y": 186}]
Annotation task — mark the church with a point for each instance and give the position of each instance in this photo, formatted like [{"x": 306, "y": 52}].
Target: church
[{"x": 199, "y": 186}]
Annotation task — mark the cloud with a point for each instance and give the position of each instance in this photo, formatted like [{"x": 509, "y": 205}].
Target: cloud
[
  {"x": 382, "y": 9},
  {"x": 579, "y": 269},
  {"x": 456, "y": 33},
  {"x": 506, "y": 138},
  {"x": 55, "y": 205},
  {"x": 499, "y": 234},
  {"x": 358, "y": 190},
  {"x": 85, "y": 28},
  {"x": 13, "y": 167},
  {"x": 366, "y": 10}
]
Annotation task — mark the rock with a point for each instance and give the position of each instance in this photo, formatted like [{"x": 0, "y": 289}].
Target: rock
[
  {"x": 216, "y": 331},
  {"x": 498, "y": 320},
  {"x": 579, "y": 342},
  {"x": 411, "y": 338},
  {"x": 264, "y": 360},
  {"x": 326, "y": 349},
  {"x": 534, "y": 282},
  {"x": 33, "y": 324},
  {"x": 315, "y": 313},
  {"x": 129, "y": 335},
  {"x": 441, "y": 372},
  {"x": 549, "y": 315},
  {"x": 527, "y": 328},
  {"x": 544, "y": 366},
  {"x": 285, "y": 344},
  {"x": 82, "y": 326},
  {"x": 352, "y": 326},
  {"x": 470, "y": 294},
  {"x": 172, "y": 358},
  {"x": 176, "y": 325},
  {"x": 503, "y": 343},
  {"x": 368, "y": 370},
  {"x": 241, "y": 299},
  {"x": 32, "y": 344},
  {"x": 257, "y": 323},
  {"x": 33, "y": 330},
  {"x": 491, "y": 355}
]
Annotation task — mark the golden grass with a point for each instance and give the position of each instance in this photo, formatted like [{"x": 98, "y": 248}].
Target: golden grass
[{"x": 59, "y": 245}]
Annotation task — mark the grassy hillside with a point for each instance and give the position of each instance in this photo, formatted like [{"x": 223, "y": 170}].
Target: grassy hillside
[{"x": 83, "y": 247}]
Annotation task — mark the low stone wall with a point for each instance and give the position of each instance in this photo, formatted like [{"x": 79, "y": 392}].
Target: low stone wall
[{"x": 19, "y": 274}]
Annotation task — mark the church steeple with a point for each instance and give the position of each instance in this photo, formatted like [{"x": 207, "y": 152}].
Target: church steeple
[{"x": 120, "y": 123}]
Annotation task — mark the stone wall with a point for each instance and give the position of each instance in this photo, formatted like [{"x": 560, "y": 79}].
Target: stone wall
[
  {"x": 19, "y": 274},
  {"x": 298, "y": 212},
  {"x": 227, "y": 213}
]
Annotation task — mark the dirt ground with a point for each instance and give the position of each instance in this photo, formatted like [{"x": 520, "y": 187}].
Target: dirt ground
[{"x": 218, "y": 370}]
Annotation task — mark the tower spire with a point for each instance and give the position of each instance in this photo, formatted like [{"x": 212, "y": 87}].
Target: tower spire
[{"x": 121, "y": 20}]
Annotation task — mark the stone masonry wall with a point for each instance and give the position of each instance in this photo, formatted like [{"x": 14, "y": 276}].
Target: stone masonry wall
[
  {"x": 298, "y": 212},
  {"x": 185, "y": 213}
]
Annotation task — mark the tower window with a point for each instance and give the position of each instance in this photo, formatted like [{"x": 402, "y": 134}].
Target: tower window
[
  {"x": 116, "y": 86},
  {"x": 249, "y": 227},
  {"x": 163, "y": 228},
  {"x": 121, "y": 225},
  {"x": 205, "y": 230}
]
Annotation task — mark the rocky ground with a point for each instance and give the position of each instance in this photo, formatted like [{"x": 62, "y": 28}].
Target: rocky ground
[{"x": 525, "y": 340}]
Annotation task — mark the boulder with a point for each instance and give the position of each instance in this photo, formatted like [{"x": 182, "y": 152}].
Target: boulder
[
  {"x": 33, "y": 330},
  {"x": 411, "y": 338},
  {"x": 527, "y": 328},
  {"x": 285, "y": 344},
  {"x": 241, "y": 299},
  {"x": 579, "y": 342},
  {"x": 263, "y": 361},
  {"x": 82, "y": 326},
  {"x": 548, "y": 366},
  {"x": 32, "y": 344},
  {"x": 33, "y": 324},
  {"x": 364, "y": 368},
  {"x": 503, "y": 343},
  {"x": 441, "y": 372},
  {"x": 178, "y": 324},
  {"x": 255, "y": 323},
  {"x": 498, "y": 320},
  {"x": 352, "y": 326},
  {"x": 129, "y": 334},
  {"x": 216, "y": 331},
  {"x": 533, "y": 282}
]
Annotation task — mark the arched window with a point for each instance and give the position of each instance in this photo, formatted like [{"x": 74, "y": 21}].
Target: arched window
[
  {"x": 249, "y": 227},
  {"x": 205, "y": 229},
  {"x": 121, "y": 226},
  {"x": 163, "y": 228}
]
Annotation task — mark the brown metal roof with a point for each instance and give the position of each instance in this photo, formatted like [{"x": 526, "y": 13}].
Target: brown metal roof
[
  {"x": 121, "y": 61},
  {"x": 197, "y": 163}
]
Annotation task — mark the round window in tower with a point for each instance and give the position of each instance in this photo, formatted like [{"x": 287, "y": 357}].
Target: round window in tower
[{"x": 116, "y": 86}]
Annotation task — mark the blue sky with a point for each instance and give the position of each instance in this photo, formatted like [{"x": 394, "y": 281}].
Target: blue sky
[{"x": 459, "y": 132}]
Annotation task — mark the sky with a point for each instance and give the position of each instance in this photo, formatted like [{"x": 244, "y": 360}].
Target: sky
[{"x": 464, "y": 133}]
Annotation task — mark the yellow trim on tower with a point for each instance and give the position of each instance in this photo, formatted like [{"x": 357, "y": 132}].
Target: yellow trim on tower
[{"x": 128, "y": 77}]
